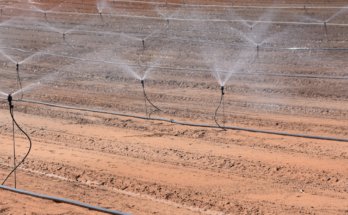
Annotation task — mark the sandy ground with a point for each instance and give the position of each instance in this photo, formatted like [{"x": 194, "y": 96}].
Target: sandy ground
[{"x": 150, "y": 167}]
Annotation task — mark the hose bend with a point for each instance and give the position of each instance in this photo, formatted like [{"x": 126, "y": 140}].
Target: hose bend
[
  {"x": 146, "y": 98},
  {"x": 11, "y": 112},
  {"x": 222, "y": 97},
  {"x": 67, "y": 42}
]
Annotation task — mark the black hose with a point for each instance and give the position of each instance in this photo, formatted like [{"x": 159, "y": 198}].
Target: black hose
[
  {"x": 68, "y": 201},
  {"x": 103, "y": 19},
  {"x": 156, "y": 108},
  {"x": 191, "y": 40},
  {"x": 67, "y": 42},
  {"x": 222, "y": 97},
  {"x": 14, "y": 169},
  {"x": 185, "y": 123},
  {"x": 188, "y": 69}
]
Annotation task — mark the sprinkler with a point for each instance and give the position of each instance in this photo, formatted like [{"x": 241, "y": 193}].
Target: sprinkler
[
  {"x": 145, "y": 98},
  {"x": 304, "y": 7},
  {"x": 221, "y": 100},
  {"x": 251, "y": 28},
  {"x": 46, "y": 17},
  {"x": 232, "y": 4},
  {"x": 9, "y": 99},
  {"x": 143, "y": 41}
]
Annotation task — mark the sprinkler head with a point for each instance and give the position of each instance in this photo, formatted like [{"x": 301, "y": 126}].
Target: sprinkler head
[
  {"x": 168, "y": 21},
  {"x": 9, "y": 99},
  {"x": 17, "y": 65},
  {"x": 325, "y": 24},
  {"x": 304, "y": 7},
  {"x": 100, "y": 13},
  {"x": 251, "y": 28},
  {"x": 222, "y": 90},
  {"x": 143, "y": 42},
  {"x": 142, "y": 82},
  {"x": 257, "y": 47}
]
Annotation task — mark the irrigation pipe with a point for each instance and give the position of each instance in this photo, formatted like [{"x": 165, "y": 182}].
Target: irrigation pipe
[
  {"x": 180, "y": 69},
  {"x": 184, "y": 123},
  {"x": 61, "y": 200},
  {"x": 179, "y": 39},
  {"x": 178, "y": 19},
  {"x": 232, "y": 6}
]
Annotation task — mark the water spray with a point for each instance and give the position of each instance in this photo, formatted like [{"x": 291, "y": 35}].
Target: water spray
[
  {"x": 67, "y": 42},
  {"x": 9, "y": 99},
  {"x": 221, "y": 100},
  {"x": 146, "y": 98}
]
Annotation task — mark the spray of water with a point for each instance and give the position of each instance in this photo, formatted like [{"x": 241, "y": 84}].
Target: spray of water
[
  {"x": 343, "y": 10},
  {"x": 307, "y": 18},
  {"x": 2, "y": 93},
  {"x": 275, "y": 36},
  {"x": 244, "y": 36},
  {"x": 130, "y": 71},
  {"x": 35, "y": 83},
  {"x": 8, "y": 57},
  {"x": 101, "y": 5},
  {"x": 148, "y": 70}
]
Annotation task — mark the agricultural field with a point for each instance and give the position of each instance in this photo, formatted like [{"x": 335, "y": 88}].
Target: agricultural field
[{"x": 282, "y": 66}]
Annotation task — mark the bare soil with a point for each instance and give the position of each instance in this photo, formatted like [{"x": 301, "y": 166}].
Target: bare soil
[{"x": 150, "y": 167}]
